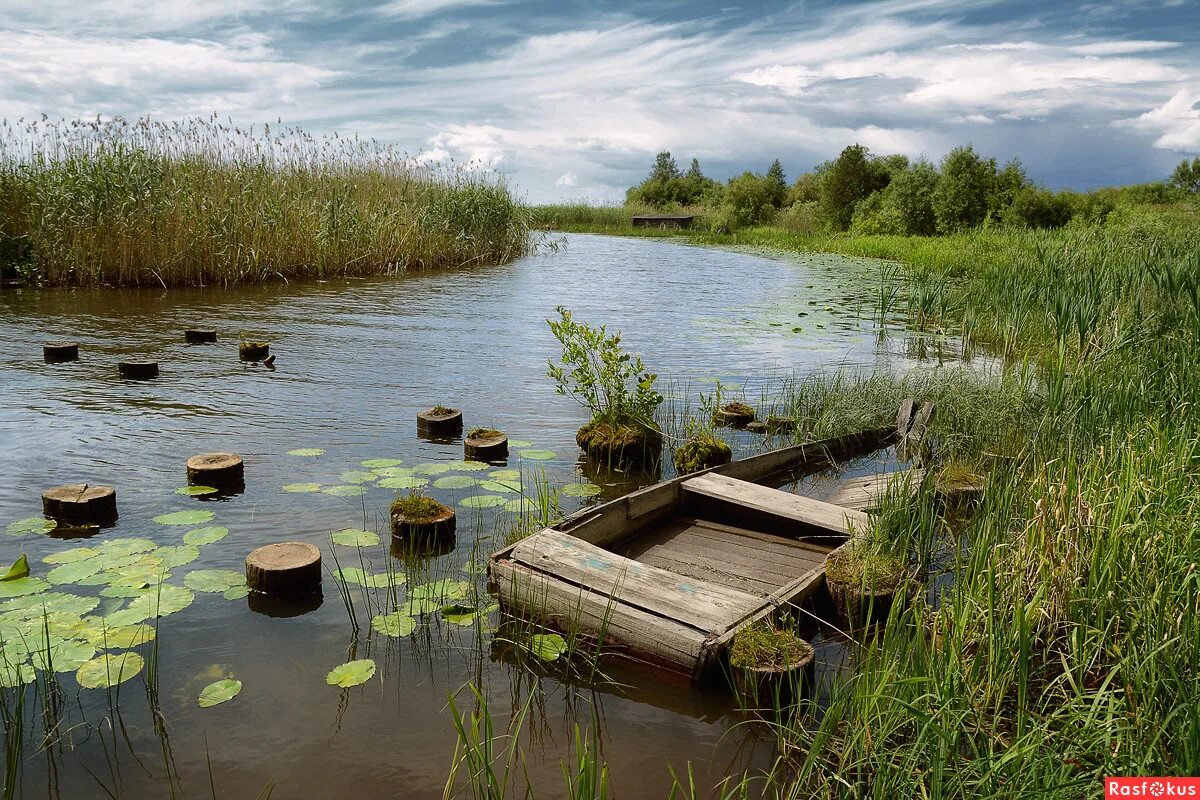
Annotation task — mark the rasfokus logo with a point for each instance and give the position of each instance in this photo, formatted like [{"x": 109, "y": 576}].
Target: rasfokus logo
[{"x": 1151, "y": 787}]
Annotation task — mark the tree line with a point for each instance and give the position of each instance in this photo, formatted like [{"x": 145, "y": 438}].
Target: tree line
[{"x": 869, "y": 194}]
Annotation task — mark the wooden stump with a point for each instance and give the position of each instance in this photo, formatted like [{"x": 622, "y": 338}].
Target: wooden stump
[
  {"x": 426, "y": 529},
  {"x": 199, "y": 336},
  {"x": 284, "y": 568},
  {"x": 780, "y": 424},
  {"x": 140, "y": 370},
  {"x": 440, "y": 422},
  {"x": 284, "y": 606},
  {"x": 81, "y": 503},
  {"x": 254, "y": 351},
  {"x": 763, "y": 688},
  {"x": 219, "y": 470},
  {"x": 858, "y": 607},
  {"x": 486, "y": 448},
  {"x": 409, "y": 550},
  {"x": 757, "y": 427},
  {"x": 734, "y": 415},
  {"x": 54, "y": 352}
]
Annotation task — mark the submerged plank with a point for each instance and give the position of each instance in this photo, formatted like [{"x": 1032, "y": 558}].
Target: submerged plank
[
  {"x": 866, "y": 491},
  {"x": 804, "y": 510}
]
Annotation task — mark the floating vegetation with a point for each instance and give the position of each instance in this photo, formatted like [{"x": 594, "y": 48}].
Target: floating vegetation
[
  {"x": 24, "y": 527},
  {"x": 352, "y": 673},
  {"x": 355, "y": 537},
  {"x": 505, "y": 474},
  {"x": 196, "y": 491},
  {"x": 538, "y": 455},
  {"x": 196, "y": 517},
  {"x": 506, "y": 487},
  {"x": 547, "y": 646},
  {"x": 74, "y": 571},
  {"x": 394, "y": 472},
  {"x": 357, "y": 476},
  {"x": 455, "y": 482},
  {"x": 376, "y": 463},
  {"x": 122, "y": 637},
  {"x": 440, "y": 591},
  {"x": 218, "y": 692},
  {"x": 519, "y": 443},
  {"x": 236, "y": 592},
  {"x": 177, "y": 555},
  {"x": 397, "y": 624},
  {"x": 306, "y": 452},
  {"x": 13, "y": 675},
  {"x": 299, "y": 488},
  {"x": 19, "y": 569},
  {"x": 379, "y": 580},
  {"x": 109, "y": 669},
  {"x": 581, "y": 490},
  {"x": 215, "y": 581},
  {"x": 344, "y": 491},
  {"x": 19, "y": 587},
  {"x": 465, "y": 615},
  {"x": 404, "y": 482},
  {"x": 431, "y": 469},
  {"x": 467, "y": 466},
  {"x": 482, "y": 501},
  {"x": 66, "y": 655},
  {"x": 203, "y": 536}
]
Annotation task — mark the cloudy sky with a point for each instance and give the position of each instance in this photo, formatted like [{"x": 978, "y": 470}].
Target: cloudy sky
[{"x": 572, "y": 100}]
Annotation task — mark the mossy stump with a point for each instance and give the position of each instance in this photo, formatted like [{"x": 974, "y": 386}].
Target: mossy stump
[
  {"x": 620, "y": 444},
  {"x": 199, "y": 336},
  {"x": 757, "y": 427},
  {"x": 57, "y": 352},
  {"x": 773, "y": 671},
  {"x": 421, "y": 519},
  {"x": 734, "y": 415},
  {"x": 701, "y": 452},
  {"x": 223, "y": 471},
  {"x": 138, "y": 370},
  {"x": 284, "y": 569},
  {"x": 440, "y": 421},
  {"x": 780, "y": 424},
  {"x": 486, "y": 444},
  {"x": 863, "y": 585},
  {"x": 81, "y": 504},
  {"x": 254, "y": 351}
]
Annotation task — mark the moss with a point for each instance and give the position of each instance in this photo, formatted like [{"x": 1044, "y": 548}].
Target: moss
[
  {"x": 484, "y": 433},
  {"x": 861, "y": 565},
  {"x": 760, "y": 646},
  {"x": 253, "y": 345},
  {"x": 419, "y": 509},
  {"x": 701, "y": 451},
  {"x": 441, "y": 411},
  {"x": 621, "y": 442}
]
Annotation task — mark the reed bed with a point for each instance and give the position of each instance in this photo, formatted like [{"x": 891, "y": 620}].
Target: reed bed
[{"x": 201, "y": 202}]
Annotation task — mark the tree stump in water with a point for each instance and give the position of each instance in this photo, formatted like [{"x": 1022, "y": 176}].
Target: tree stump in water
[
  {"x": 81, "y": 503},
  {"x": 218, "y": 470},
  {"x": 757, "y": 427},
  {"x": 199, "y": 336},
  {"x": 426, "y": 525},
  {"x": 440, "y": 421},
  {"x": 254, "y": 351},
  {"x": 54, "y": 352},
  {"x": 138, "y": 369},
  {"x": 284, "y": 568},
  {"x": 486, "y": 445},
  {"x": 734, "y": 415}
]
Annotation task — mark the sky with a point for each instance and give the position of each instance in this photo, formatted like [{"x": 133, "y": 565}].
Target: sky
[{"x": 571, "y": 101}]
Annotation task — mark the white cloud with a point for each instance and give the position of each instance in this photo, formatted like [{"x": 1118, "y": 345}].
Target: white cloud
[
  {"x": 415, "y": 9},
  {"x": 567, "y": 179},
  {"x": 1177, "y": 123}
]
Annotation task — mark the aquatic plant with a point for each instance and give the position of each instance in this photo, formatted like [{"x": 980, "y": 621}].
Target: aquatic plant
[
  {"x": 702, "y": 450},
  {"x": 761, "y": 645}
]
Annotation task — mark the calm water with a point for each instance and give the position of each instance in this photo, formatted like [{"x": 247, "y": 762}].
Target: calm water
[{"x": 356, "y": 361}]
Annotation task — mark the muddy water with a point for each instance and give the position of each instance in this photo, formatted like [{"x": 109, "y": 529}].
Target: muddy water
[{"x": 356, "y": 361}]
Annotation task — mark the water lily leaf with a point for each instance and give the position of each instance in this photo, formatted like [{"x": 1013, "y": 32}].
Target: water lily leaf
[
  {"x": 70, "y": 555},
  {"x": 378, "y": 580},
  {"x": 538, "y": 455},
  {"x": 298, "y": 488},
  {"x": 213, "y": 580},
  {"x": 177, "y": 555},
  {"x": 356, "y": 476},
  {"x": 121, "y": 548},
  {"x": 123, "y": 590},
  {"x": 505, "y": 475},
  {"x": 24, "y": 527},
  {"x": 500, "y": 486},
  {"x": 519, "y": 443},
  {"x": 468, "y": 466},
  {"x": 203, "y": 536},
  {"x": 13, "y": 674},
  {"x": 109, "y": 669},
  {"x": 431, "y": 469},
  {"x": 49, "y": 602},
  {"x": 418, "y": 606},
  {"x": 125, "y": 617},
  {"x": 71, "y": 573},
  {"x": 355, "y": 537},
  {"x": 397, "y": 624},
  {"x": 185, "y": 518},
  {"x": 454, "y": 482},
  {"x": 376, "y": 463},
  {"x": 394, "y": 472},
  {"x": 19, "y": 569},
  {"x": 196, "y": 491},
  {"x": 352, "y": 673},
  {"x": 63, "y": 656},
  {"x": 581, "y": 490},
  {"x": 121, "y": 637},
  {"x": 482, "y": 501},
  {"x": 306, "y": 452},
  {"x": 465, "y": 615},
  {"x": 219, "y": 692},
  {"x": 522, "y": 506},
  {"x": 441, "y": 591},
  {"x": 344, "y": 491},
  {"x": 547, "y": 646},
  {"x": 404, "y": 482},
  {"x": 18, "y": 587},
  {"x": 236, "y": 593}
]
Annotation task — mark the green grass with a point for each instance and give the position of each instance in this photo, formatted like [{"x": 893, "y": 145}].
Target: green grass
[{"x": 200, "y": 203}]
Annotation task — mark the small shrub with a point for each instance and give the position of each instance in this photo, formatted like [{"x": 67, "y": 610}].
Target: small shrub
[
  {"x": 484, "y": 433},
  {"x": 701, "y": 451},
  {"x": 859, "y": 564},
  {"x": 442, "y": 411},
  {"x": 418, "y": 508}
]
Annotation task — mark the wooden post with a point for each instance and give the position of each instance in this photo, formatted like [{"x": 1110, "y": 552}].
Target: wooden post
[
  {"x": 81, "y": 503},
  {"x": 284, "y": 568}
]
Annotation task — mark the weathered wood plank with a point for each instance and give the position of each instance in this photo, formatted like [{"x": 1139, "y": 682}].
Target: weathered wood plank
[
  {"x": 703, "y": 554},
  {"x": 911, "y": 447},
  {"x": 705, "y": 606},
  {"x": 804, "y": 510},
  {"x": 805, "y": 549},
  {"x": 866, "y": 491},
  {"x": 904, "y": 417}
]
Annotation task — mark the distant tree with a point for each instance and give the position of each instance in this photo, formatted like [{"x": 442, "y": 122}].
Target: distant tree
[
  {"x": 666, "y": 185},
  {"x": 665, "y": 168},
  {"x": 1035, "y": 207},
  {"x": 911, "y": 195},
  {"x": 748, "y": 200},
  {"x": 960, "y": 200},
  {"x": 806, "y": 189},
  {"x": 895, "y": 164},
  {"x": 777, "y": 183},
  {"x": 1187, "y": 176},
  {"x": 851, "y": 177},
  {"x": 1008, "y": 183}
]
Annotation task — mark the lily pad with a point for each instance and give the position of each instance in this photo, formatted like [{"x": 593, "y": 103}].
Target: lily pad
[
  {"x": 505, "y": 475},
  {"x": 454, "y": 482},
  {"x": 219, "y": 692},
  {"x": 196, "y": 491},
  {"x": 397, "y": 624},
  {"x": 519, "y": 443},
  {"x": 581, "y": 490},
  {"x": 125, "y": 617},
  {"x": 109, "y": 669},
  {"x": 457, "y": 614},
  {"x": 482, "y": 501},
  {"x": 48, "y": 602},
  {"x": 394, "y": 472},
  {"x": 344, "y": 491},
  {"x": 352, "y": 673},
  {"x": 19, "y": 569},
  {"x": 64, "y": 656},
  {"x": 538, "y": 455},
  {"x": 441, "y": 591},
  {"x": 521, "y": 506},
  {"x": 547, "y": 646},
  {"x": 24, "y": 527},
  {"x": 377, "y": 463},
  {"x": 404, "y": 482},
  {"x": 355, "y": 537},
  {"x": 214, "y": 581},
  {"x": 127, "y": 546},
  {"x": 506, "y": 487},
  {"x": 19, "y": 587},
  {"x": 236, "y": 592},
  {"x": 431, "y": 469},
  {"x": 299, "y": 488},
  {"x": 357, "y": 476},
  {"x": 70, "y": 555},
  {"x": 203, "y": 536},
  {"x": 468, "y": 466},
  {"x": 122, "y": 637},
  {"x": 306, "y": 452},
  {"x": 13, "y": 674},
  {"x": 73, "y": 572},
  {"x": 417, "y": 606},
  {"x": 378, "y": 580},
  {"x": 177, "y": 555},
  {"x": 196, "y": 517}
]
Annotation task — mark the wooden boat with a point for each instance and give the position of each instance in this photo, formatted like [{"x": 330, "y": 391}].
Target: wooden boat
[{"x": 669, "y": 574}]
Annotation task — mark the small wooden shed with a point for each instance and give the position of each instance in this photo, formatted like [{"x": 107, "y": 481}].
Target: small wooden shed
[{"x": 664, "y": 222}]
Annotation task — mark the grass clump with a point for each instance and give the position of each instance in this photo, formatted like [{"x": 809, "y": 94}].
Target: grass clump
[
  {"x": 701, "y": 451},
  {"x": 859, "y": 565},
  {"x": 419, "y": 509},
  {"x": 198, "y": 202},
  {"x": 762, "y": 646},
  {"x": 484, "y": 433},
  {"x": 442, "y": 411}
]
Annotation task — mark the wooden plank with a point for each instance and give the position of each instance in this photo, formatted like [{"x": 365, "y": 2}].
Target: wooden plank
[
  {"x": 707, "y": 571},
  {"x": 816, "y": 549},
  {"x": 725, "y": 560},
  {"x": 911, "y": 446},
  {"x": 804, "y": 510},
  {"x": 704, "y": 606},
  {"x": 866, "y": 491},
  {"x": 904, "y": 417}
]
